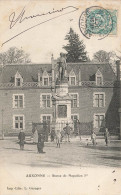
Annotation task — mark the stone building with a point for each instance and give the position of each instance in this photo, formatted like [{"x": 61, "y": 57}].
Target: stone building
[{"x": 26, "y": 96}]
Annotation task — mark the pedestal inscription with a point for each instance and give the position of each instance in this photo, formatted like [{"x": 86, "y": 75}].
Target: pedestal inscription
[{"x": 62, "y": 111}]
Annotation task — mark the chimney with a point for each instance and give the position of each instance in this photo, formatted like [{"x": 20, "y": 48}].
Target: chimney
[{"x": 52, "y": 61}]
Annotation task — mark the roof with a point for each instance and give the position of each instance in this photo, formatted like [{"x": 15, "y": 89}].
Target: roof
[
  {"x": 88, "y": 70},
  {"x": 29, "y": 72}
]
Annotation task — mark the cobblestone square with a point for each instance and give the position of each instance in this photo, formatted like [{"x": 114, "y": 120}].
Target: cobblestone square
[
  {"x": 74, "y": 154},
  {"x": 90, "y": 169}
]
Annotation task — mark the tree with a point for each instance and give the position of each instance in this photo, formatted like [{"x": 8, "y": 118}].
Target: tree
[
  {"x": 113, "y": 59},
  {"x": 14, "y": 56},
  {"x": 101, "y": 56},
  {"x": 109, "y": 57},
  {"x": 75, "y": 48}
]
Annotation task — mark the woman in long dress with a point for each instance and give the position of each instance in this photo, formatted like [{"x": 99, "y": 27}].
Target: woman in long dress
[{"x": 35, "y": 136}]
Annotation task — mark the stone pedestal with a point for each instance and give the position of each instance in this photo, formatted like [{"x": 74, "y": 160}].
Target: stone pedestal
[{"x": 62, "y": 103}]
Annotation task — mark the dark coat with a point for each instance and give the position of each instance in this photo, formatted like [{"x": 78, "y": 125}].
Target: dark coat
[
  {"x": 53, "y": 133},
  {"x": 21, "y": 137},
  {"x": 67, "y": 130},
  {"x": 40, "y": 144}
]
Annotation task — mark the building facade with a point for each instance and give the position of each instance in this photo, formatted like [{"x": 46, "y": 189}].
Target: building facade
[{"x": 26, "y": 96}]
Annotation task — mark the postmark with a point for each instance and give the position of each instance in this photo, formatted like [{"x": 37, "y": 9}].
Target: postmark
[{"x": 97, "y": 21}]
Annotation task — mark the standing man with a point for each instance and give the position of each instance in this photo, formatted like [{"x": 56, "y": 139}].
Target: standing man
[
  {"x": 21, "y": 138},
  {"x": 40, "y": 144},
  {"x": 62, "y": 66},
  {"x": 67, "y": 132},
  {"x": 106, "y": 135},
  {"x": 52, "y": 134}
]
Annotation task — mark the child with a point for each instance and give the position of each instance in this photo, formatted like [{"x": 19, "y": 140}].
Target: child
[
  {"x": 93, "y": 138},
  {"x": 58, "y": 138}
]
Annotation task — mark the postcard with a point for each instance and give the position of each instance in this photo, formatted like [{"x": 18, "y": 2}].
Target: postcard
[{"x": 60, "y": 107}]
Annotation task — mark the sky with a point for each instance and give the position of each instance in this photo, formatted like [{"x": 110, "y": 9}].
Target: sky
[{"x": 48, "y": 38}]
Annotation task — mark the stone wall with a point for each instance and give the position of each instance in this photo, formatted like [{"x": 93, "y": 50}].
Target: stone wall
[{"x": 85, "y": 111}]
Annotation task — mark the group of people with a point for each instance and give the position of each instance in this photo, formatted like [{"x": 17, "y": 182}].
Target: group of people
[
  {"x": 38, "y": 138},
  {"x": 106, "y": 136},
  {"x": 40, "y": 142},
  {"x": 58, "y": 135}
]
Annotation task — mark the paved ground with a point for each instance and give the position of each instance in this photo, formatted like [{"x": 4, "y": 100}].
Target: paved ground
[{"x": 74, "y": 154}]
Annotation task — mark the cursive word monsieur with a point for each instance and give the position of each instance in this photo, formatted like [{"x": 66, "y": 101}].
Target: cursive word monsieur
[{"x": 13, "y": 19}]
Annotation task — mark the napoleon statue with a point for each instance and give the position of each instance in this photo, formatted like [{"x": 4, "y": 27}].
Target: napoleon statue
[{"x": 62, "y": 67}]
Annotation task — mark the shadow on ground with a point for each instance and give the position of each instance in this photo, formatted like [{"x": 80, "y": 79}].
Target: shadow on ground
[
  {"x": 103, "y": 148},
  {"x": 45, "y": 163},
  {"x": 112, "y": 157},
  {"x": 16, "y": 149}
]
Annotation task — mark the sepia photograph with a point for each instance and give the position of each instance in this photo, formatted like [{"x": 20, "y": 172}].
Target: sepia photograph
[{"x": 60, "y": 97}]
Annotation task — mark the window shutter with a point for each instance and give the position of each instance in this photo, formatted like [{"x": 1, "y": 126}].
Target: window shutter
[
  {"x": 23, "y": 101},
  {"x": 13, "y": 122},
  {"x": 94, "y": 123},
  {"x": 104, "y": 100},
  {"x": 13, "y": 98},
  {"x": 94, "y": 102},
  {"x": 50, "y": 100},
  {"x": 77, "y": 100},
  {"x": 75, "y": 81}
]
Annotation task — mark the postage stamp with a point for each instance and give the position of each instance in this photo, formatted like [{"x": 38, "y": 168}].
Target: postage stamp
[{"x": 97, "y": 21}]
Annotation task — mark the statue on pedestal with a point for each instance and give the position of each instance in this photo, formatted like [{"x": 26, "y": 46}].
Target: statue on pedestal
[{"x": 62, "y": 66}]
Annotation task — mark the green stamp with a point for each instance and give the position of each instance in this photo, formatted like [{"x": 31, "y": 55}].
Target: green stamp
[
  {"x": 113, "y": 14},
  {"x": 98, "y": 21}
]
